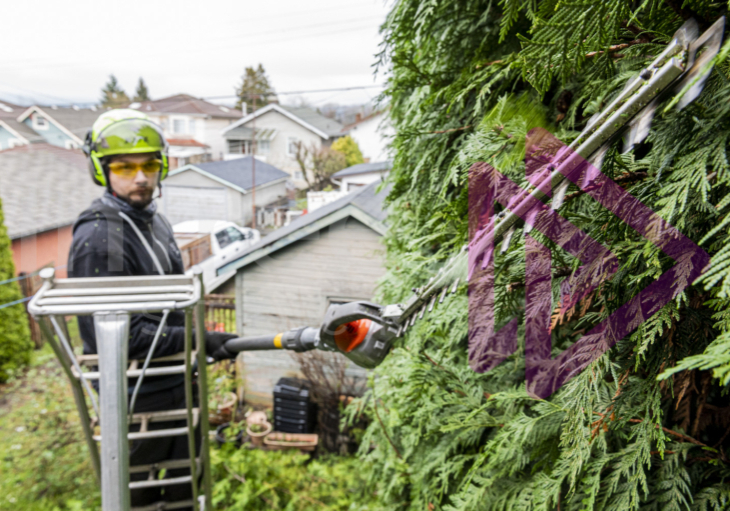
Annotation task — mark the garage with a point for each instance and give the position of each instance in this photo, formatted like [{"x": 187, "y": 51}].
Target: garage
[{"x": 194, "y": 203}]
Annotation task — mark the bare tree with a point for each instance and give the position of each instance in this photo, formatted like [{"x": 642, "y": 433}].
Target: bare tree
[{"x": 318, "y": 164}]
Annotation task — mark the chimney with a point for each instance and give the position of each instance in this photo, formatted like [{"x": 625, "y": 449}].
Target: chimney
[
  {"x": 243, "y": 108},
  {"x": 358, "y": 117}
]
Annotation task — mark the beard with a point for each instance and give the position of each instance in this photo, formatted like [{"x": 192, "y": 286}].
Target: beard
[{"x": 140, "y": 198}]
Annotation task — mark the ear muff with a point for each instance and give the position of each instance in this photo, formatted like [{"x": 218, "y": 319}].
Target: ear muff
[
  {"x": 165, "y": 165},
  {"x": 96, "y": 169}
]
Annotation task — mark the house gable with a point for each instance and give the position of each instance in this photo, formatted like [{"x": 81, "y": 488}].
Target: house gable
[
  {"x": 49, "y": 128},
  {"x": 282, "y": 111}
]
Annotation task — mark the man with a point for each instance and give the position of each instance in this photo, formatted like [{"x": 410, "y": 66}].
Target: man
[{"x": 122, "y": 234}]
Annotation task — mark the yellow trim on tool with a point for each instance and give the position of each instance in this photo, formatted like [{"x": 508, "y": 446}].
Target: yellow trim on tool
[{"x": 277, "y": 341}]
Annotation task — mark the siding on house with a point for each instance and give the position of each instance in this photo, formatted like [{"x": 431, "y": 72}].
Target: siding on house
[
  {"x": 239, "y": 206},
  {"x": 49, "y": 248},
  {"x": 278, "y": 146},
  {"x": 294, "y": 286},
  {"x": 8, "y": 140},
  {"x": 51, "y": 133}
]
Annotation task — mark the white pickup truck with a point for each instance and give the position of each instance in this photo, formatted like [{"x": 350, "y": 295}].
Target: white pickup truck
[{"x": 211, "y": 244}]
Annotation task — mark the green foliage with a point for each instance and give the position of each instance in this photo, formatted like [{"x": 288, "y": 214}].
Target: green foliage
[
  {"x": 348, "y": 147},
  {"x": 255, "y": 89},
  {"x": 252, "y": 479},
  {"x": 112, "y": 95},
  {"x": 467, "y": 80},
  {"x": 15, "y": 343},
  {"x": 141, "y": 94},
  {"x": 44, "y": 460}
]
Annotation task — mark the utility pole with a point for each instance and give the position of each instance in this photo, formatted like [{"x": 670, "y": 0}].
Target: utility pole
[{"x": 253, "y": 162}]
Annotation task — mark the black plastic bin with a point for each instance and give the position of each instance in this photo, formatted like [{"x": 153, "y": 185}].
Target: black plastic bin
[{"x": 294, "y": 411}]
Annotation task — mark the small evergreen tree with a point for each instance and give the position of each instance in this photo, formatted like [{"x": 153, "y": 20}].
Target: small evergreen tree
[
  {"x": 112, "y": 95},
  {"x": 644, "y": 426},
  {"x": 141, "y": 94},
  {"x": 15, "y": 343},
  {"x": 348, "y": 147},
  {"x": 255, "y": 86}
]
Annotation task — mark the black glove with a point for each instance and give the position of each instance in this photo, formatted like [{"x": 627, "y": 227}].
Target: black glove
[{"x": 214, "y": 345}]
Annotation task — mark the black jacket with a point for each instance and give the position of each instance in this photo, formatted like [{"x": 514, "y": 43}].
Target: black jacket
[{"x": 105, "y": 243}]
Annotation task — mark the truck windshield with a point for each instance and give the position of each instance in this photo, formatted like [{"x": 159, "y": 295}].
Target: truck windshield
[{"x": 229, "y": 235}]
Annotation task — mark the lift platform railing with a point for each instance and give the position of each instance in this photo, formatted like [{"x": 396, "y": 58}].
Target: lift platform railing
[{"x": 111, "y": 301}]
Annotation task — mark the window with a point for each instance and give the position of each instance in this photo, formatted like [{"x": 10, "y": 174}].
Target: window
[
  {"x": 239, "y": 146},
  {"x": 178, "y": 125},
  {"x": 235, "y": 235},
  {"x": 262, "y": 147},
  {"x": 223, "y": 239},
  {"x": 39, "y": 122},
  {"x": 292, "y": 144},
  {"x": 191, "y": 126},
  {"x": 298, "y": 175}
]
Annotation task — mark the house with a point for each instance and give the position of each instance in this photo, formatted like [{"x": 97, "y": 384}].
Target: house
[
  {"x": 44, "y": 189},
  {"x": 192, "y": 126},
  {"x": 291, "y": 276},
  {"x": 60, "y": 126},
  {"x": 221, "y": 190},
  {"x": 371, "y": 134},
  {"x": 12, "y": 132},
  {"x": 361, "y": 174},
  {"x": 279, "y": 130}
]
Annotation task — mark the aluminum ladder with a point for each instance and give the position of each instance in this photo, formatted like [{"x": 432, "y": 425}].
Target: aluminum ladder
[{"x": 111, "y": 300}]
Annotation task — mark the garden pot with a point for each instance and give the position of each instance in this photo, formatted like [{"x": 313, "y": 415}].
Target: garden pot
[
  {"x": 257, "y": 437},
  {"x": 301, "y": 441},
  {"x": 224, "y": 411},
  {"x": 220, "y": 436}
]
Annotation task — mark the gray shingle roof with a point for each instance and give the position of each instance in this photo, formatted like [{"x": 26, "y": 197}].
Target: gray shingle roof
[
  {"x": 44, "y": 187},
  {"x": 77, "y": 121},
  {"x": 364, "y": 168},
  {"x": 366, "y": 199},
  {"x": 329, "y": 126},
  {"x": 239, "y": 172},
  {"x": 187, "y": 104}
]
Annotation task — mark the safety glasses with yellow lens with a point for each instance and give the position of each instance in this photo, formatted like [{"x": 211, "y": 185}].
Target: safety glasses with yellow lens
[{"x": 129, "y": 169}]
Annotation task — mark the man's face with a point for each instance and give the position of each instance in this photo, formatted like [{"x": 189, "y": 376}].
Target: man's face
[{"x": 138, "y": 188}]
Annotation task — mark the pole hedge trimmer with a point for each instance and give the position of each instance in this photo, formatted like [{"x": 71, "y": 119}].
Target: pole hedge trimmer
[{"x": 364, "y": 332}]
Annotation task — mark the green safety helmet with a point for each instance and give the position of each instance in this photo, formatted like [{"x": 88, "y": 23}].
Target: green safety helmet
[{"x": 123, "y": 131}]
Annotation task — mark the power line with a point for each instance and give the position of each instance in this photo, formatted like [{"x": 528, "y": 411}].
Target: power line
[{"x": 312, "y": 91}]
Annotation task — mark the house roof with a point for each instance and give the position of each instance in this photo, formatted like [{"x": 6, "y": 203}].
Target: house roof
[
  {"x": 373, "y": 115},
  {"x": 306, "y": 117},
  {"x": 364, "y": 168},
  {"x": 236, "y": 173},
  {"x": 246, "y": 133},
  {"x": 186, "y": 104},
  {"x": 185, "y": 142},
  {"x": 8, "y": 119},
  {"x": 319, "y": 121},
  {"x": 44, "y": 187},
  {"x": 365, "y": 204},
  {"x": 75, "y": 121}
]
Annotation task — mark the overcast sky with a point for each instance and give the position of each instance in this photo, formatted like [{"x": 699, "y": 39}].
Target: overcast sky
[{"x": 63, "y": 52}]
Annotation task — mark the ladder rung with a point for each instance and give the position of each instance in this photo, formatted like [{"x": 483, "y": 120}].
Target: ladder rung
[
  {"x": 161, "y": 433},
  {"x": 164, "y": 506},
  {"x": 167, "y": 415},
  {"x": 136, "y": 485},
  {"x": 135, "y": 373},
  {"x": 121, "y": 290},
  {"x": 169, "y": 464},
  {"x": 93, "y": 360}
]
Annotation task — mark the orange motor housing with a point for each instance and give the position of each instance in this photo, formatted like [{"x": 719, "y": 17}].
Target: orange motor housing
[{"x": 349, "y": 336}]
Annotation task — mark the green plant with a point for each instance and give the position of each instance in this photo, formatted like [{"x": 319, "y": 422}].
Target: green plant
[
  {"x": 347, "y": 146},
  {"x": 44, "y": 461},
  {"x": 467, "y": 80},
  {"x": 254, "y": 479},
  {"x": 15, "y": 342}
]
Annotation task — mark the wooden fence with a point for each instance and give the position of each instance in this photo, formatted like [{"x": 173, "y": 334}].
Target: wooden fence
[
  {"x": 28, "y": 286},
  {"x": 220, "y": 313}
]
